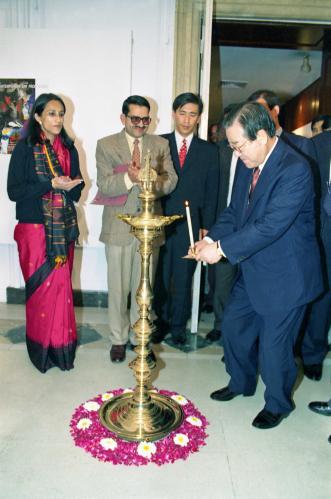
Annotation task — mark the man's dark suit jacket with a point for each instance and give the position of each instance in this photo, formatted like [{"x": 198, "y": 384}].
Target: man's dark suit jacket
[
  {"x": 306, "y": 147},
  {"x": 197, "y": 182},
  {"x": 322, "y": 144},
  {"x": 273, "y": 237},
  {"x": 301, "y": 144}
]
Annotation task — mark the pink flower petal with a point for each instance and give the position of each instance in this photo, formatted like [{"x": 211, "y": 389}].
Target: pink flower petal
[{"x": 126, "y": 452}]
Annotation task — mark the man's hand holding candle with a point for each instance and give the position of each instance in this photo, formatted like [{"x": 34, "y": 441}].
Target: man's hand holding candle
[{"x": 207, "y": 251}]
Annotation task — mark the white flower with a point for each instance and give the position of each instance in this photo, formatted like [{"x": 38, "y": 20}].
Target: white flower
[
  {"x": 91, "y": 406},
  {"x": 127, "y": 390},
  {"x": 108, "y": 443},
  {"x": 194, "y": 421},
  {"x": 180, "y": 399},
  {"x": 107, "y": 396},
  {"x": 181, "y": 439},
  {"x": 84, "y": 423},
  {"x": 146, "y": 449}
]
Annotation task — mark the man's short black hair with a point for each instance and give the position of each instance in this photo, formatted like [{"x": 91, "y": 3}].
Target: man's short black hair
[
  {"x": 187, "y": 98},
  {"x": 253, "y": 117},
  {"x": 137, "y": 100},
  {"x": 268, "y": 95},
  {"x": 325, "y": 118},
  {"x": 228, "y": 108}
]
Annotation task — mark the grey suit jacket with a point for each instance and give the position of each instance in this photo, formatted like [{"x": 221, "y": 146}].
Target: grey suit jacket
[{"x": 113, "y": 151}]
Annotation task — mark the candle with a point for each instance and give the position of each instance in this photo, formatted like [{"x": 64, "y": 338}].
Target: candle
[{"x": 189, "y": 223}]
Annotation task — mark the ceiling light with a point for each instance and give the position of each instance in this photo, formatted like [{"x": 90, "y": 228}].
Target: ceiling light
[
  {"x": 233, "y": 83},
  {"x": 305, "y": 66}
]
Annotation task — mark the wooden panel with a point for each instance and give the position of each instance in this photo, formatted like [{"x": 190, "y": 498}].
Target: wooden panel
[
  {"x": 300, "y": 110},
  {"x": 296, "y": 10},
  {"x": 267, "y": 35},
  {"x": 313, "y": 100}
]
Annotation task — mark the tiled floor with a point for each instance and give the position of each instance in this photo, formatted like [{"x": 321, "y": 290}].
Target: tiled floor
[{"x": 39, "y": 460}]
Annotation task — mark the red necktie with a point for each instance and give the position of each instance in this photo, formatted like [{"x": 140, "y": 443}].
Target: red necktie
[
  {"x": 136, "y": 153},
  {"x": 182, "y": 153},
  {"x": 255, "y": 178}
]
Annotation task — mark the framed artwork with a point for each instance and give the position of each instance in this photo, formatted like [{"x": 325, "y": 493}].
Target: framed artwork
[{"x": 17, "y": 97}]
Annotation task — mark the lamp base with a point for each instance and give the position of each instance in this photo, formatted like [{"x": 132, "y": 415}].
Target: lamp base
[{"x": 152, "y": 420}]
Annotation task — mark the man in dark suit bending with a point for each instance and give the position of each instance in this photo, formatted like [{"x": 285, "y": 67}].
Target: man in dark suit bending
[{"x": 269, "y": 231}]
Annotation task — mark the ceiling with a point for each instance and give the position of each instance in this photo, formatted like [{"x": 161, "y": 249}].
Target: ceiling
[
  {"x": 268, "y": 56},
  {"x": 273, "y": 69}
]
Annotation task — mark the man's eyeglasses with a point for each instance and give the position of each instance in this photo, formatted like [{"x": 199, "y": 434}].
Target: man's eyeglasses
[
  {"x": 238, "y": 148},
  {"x": 135, "y": 120}
]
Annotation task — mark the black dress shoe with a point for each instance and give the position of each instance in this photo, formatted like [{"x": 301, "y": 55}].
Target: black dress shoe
[
  {"x": 179, "y": 340},
  {"x": 329, "y": 439},
  {"x": 313, "y": 371},
  {"x": 161, "y": 331},
  {"x": 151, "y": 356},
  {"x": 266, "y": 419},
  {"x": 178, "y": 336},
  {"x": 117, "y": 353},
  {"x": 213, "y": 335},
  {"x": 208, "y": 309},
  {"x": 321, "y": 408},
  {"x": 158, "y": 337},
  {"x": 223, "y": 394}
]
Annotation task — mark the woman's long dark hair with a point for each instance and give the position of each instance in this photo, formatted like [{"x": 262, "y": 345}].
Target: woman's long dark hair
[{"x": 33, "y": 130}]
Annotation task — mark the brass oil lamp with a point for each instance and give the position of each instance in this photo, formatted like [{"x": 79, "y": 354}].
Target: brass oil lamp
[{"x": 143, "y": 415}]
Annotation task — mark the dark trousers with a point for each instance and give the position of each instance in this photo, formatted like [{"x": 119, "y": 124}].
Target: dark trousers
[
  {"x": 265, "y": 343},
  {"x": 225, "y": 274},
  {"x": 314, "y": 345},
  {"x": 173, "y": 284}
]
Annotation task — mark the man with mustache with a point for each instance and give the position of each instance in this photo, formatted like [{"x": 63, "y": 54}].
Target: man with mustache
[{"x": 119, "y": 159}]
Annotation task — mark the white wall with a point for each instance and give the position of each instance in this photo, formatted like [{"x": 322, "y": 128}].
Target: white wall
[{"x": 94, "y": 54}]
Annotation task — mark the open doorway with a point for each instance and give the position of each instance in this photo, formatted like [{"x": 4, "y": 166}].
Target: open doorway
[{"x": 290, "y": 59}]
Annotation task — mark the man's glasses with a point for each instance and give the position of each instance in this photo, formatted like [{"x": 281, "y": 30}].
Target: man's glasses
[
  {"x": 238, "y": 149},
  {"x": 135, "y": 120}
]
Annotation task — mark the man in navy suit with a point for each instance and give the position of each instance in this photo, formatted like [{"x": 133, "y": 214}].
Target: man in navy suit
[
  {"x": 311, "y": 343},
  {"x": 269, "y": 230},
  {"x": 196, "y": 164},
  {"x": 315, "y": 340}
]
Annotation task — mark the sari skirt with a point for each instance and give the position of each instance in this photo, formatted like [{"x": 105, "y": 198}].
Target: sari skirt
[{"x": 51, "y": 334}]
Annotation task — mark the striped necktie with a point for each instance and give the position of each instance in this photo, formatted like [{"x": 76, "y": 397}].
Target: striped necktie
[{"x": 255, "y": 178}]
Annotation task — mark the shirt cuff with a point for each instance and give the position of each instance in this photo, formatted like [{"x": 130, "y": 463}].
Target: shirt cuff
[
  {"x": 127, "y": 181},
  {"x": 208, "y": 239},
  {"x": 219, "y": 249}
]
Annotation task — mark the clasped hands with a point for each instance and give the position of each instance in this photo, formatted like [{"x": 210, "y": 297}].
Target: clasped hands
[
  {"x": 65, "y": 183},
  {"x": 133, "y": 173},
  {"x": 206, "y": 251}
]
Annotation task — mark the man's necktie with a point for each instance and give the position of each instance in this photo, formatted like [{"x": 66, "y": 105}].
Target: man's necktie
[
  {"x": 136, "y": 154},
  {"x": 182, "y": 153},
  {"x": 255, "y": 178}
]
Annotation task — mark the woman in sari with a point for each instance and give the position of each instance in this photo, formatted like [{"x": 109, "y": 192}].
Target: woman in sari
[{"x": 44, "y": 180}]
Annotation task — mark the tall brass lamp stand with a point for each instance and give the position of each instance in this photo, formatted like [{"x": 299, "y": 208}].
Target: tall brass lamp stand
[{"x": 143, "y": 415}]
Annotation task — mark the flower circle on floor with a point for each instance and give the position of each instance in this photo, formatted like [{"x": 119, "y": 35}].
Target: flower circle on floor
[{"x": 88, "y": 433}]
